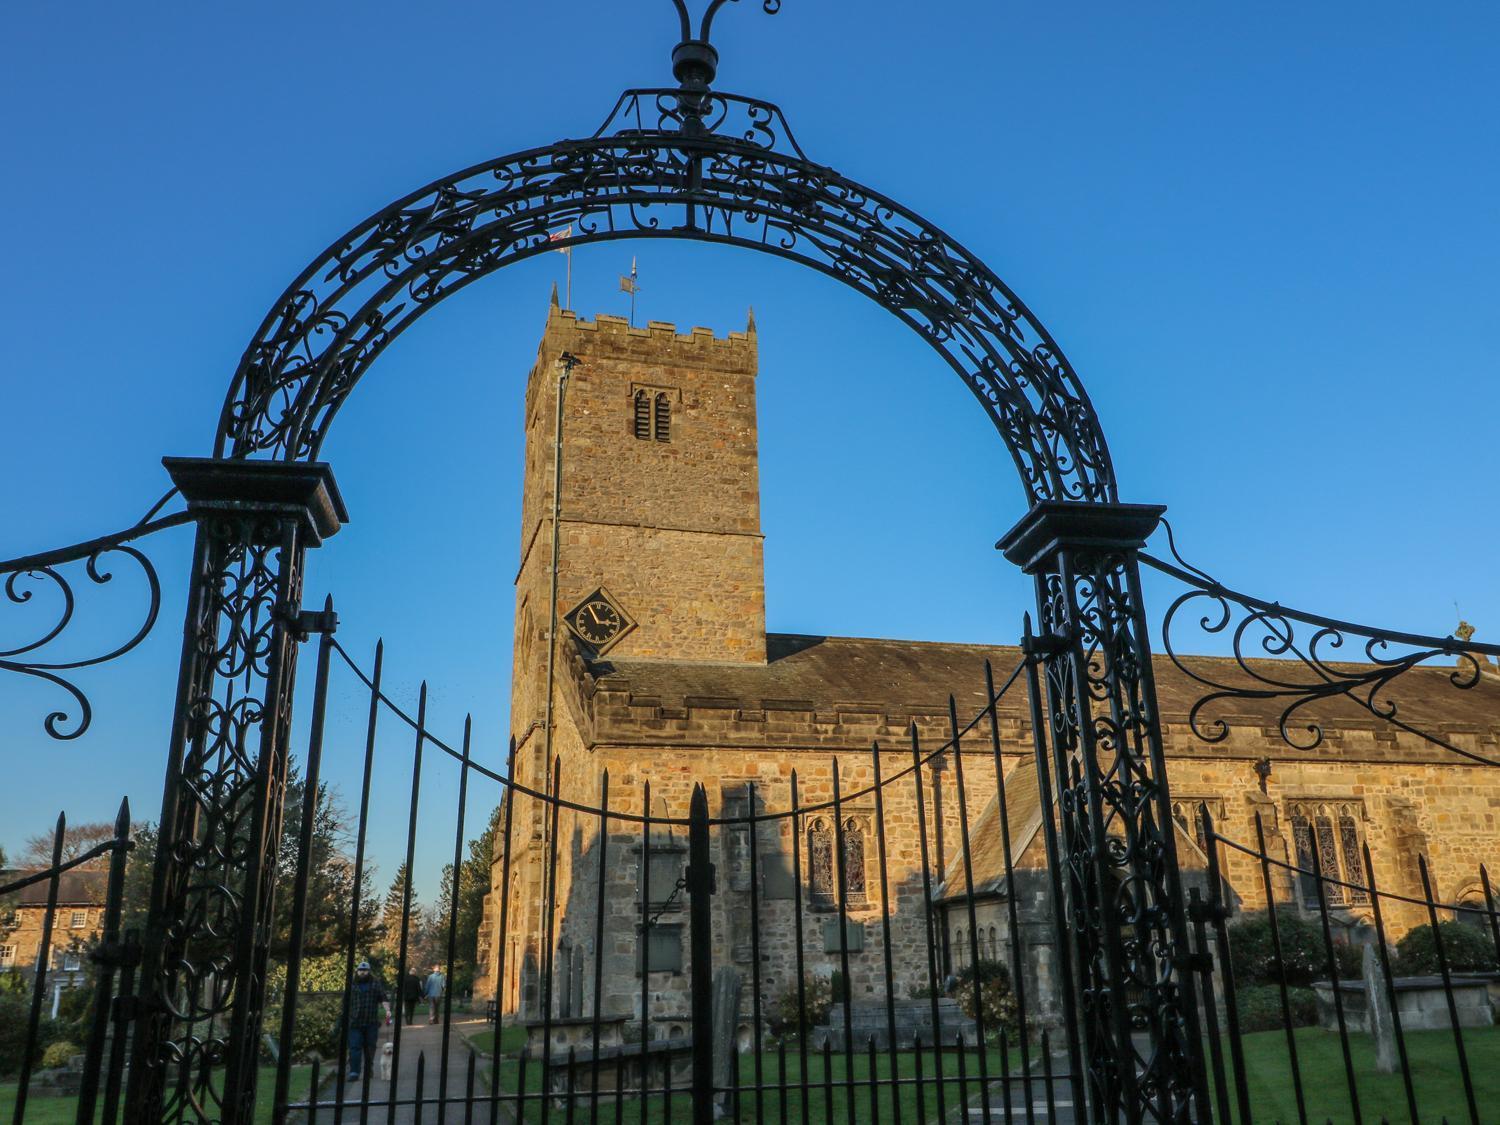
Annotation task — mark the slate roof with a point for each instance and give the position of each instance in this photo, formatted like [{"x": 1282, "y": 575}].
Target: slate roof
[
  {"x": 1023, "y": 809},
  {"x": 74, "y": 888},
  {"x": 892, "y": 677},
  {"x": 1023, "y": 814}
]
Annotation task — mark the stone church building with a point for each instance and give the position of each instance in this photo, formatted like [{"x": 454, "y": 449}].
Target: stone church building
[{"x": 665, "y": 674}]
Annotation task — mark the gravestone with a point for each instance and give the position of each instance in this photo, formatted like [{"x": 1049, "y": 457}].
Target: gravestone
[
  {"x": 1378, "y": 1013},
  {"x": 726, "y": 1022}
]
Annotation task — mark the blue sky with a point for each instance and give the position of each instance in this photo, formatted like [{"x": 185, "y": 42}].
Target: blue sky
[{"x": 1267, "y": 237}]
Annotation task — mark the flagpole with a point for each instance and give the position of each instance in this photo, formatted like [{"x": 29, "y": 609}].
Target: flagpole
[{"x": 568, "y": 300}]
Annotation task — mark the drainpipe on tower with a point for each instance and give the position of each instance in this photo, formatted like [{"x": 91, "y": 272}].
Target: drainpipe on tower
[{"x": 568, "y": 361}]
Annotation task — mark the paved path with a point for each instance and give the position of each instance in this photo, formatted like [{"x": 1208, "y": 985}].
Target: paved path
[
  {"x": 420, "y": 1041},
  {"x": 1062, "y": 1099}
]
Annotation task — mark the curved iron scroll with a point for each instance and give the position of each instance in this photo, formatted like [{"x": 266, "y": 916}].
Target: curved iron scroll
[
  {"x": 98, "y": 557},
  {"x": 1298, "y": 659},
  {"x": 667, "y": 164}
]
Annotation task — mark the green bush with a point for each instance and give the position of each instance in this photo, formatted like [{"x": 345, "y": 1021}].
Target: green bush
[
  {"x": 1350, "y": 956},
  {"x": 317, "y": 974},
  {"x": 1304, "y": 958},
  {"x": 316, "y": 1030},
  {"x": 14, "y": 1011},
  {"x": 789, "y": 1019},
  {"x": 1260, "y": 1007},
  {"x": 997, "y": 998},
  {"x": 1467, "y": 949},
  {"x": 57, "y": 1054},
  {"x": 75, "y": 1013}
]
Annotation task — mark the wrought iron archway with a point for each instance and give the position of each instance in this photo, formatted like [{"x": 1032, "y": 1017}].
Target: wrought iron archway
[{"x": 690, "y": 163}]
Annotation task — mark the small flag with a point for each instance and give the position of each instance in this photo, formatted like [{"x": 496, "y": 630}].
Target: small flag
[
  {"x": 559, "y": 235},
  {"x": 627, "y": 285}
]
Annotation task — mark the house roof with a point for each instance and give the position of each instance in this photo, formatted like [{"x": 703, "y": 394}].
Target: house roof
[
  {"x": 892, "y": 677},
  {"x": 74, "y": 888}
]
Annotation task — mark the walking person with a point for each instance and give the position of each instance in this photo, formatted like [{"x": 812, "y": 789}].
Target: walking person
[
  {"x": 411, "y": 991},
  {"x": 433, "y": 990},
  {"x": 367, "y": 1004}
]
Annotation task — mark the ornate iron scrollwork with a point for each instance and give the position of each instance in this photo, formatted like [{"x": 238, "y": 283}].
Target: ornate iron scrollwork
[
  {"x": 678, "y": 163},
  {"x": 1296, "y": 660},
  {"x": 27, "y": 577}
]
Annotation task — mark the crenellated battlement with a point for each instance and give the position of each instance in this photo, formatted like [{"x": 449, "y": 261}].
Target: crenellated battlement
[{"x": 658, "y": 341}]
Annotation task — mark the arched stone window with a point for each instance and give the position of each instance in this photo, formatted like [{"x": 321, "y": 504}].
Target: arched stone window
[
  {"x": 822, "y": 870},
  {"x": 820, "y": 862},
  {"x": 1474, "y": 913},
  {"x": 1327, "y": 839},
  {"x": 651, "y": 413},
  {"x": 854, "y": 861},
  {"x": 1186, "y": 812}
]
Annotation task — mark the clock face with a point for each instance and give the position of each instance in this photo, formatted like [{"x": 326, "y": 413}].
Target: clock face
[{"x": 598, "y": 621}]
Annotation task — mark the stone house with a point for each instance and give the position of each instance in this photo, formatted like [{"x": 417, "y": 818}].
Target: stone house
[
  {"x": 664, "y": 676},
  {"x": 77, "y": 925}
]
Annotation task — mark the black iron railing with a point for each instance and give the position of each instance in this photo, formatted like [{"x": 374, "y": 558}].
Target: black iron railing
[
  {"x": 111, "y": 957},
  {"x": 1343, "y": 1000},
  {"x": 982, "y": 1040}
]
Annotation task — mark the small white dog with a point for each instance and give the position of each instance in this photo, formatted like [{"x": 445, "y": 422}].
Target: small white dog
[{"x": 385, "y": 1062}]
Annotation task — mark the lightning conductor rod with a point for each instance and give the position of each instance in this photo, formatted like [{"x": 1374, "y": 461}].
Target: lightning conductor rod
[{"x": 567, "y": 361}]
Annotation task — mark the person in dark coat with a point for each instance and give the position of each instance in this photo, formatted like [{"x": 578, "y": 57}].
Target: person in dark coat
[{"x": 411, "y": 992}]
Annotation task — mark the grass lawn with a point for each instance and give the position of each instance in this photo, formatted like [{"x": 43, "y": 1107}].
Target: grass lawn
[
  {"x": 1434, "y": 1067},
  {"x": 63, "y": 1111},
  {"x": 512, "y": 1039}
]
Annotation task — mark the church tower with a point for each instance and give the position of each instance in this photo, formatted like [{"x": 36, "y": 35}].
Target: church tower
[{"x": 660, "y": 552}]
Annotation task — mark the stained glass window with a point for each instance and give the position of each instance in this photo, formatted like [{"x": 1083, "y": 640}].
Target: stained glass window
[
  {"x": 1189, "y": 817},
  {"x": 1354, "y": 862},
  {"x": 1303, "y": 838},
  {"x": 854, "y": 862},
  {"x": 1328, "y": 861},
  {"x": 820, "y": 861},
  {"x": 1328, "y": 840}
]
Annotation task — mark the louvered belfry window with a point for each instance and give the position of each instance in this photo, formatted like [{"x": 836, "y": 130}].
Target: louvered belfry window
[
  {"x": 651, "y": 413},
  {"x": 643, "y": 415},
  {"x": 663, "y": 417}
]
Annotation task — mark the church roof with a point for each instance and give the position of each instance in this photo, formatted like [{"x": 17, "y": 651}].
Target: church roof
[
  {"x": 894, "y": 677},
  {"x": 809, "y": 672},
  {"x": 1023, "y": 816}
]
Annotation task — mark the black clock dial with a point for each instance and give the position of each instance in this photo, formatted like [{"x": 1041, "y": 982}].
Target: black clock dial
[{"x": 596, "y": 621}]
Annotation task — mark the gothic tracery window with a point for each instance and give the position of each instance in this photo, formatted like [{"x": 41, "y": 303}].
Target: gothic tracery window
[
  {"x": 820, "y": 861},
  {"x": 821, "y": 866},
  {"x": 1188, "y": 815},
  {"x": 1327, "y": 839},
  {"x": 854, "y": 862}
]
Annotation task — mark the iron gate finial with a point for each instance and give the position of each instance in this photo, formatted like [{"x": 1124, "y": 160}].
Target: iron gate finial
[{"x": 694, "y": 60}]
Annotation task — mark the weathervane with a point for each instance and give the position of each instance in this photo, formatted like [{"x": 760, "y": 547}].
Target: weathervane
[{"x": 694, "y": 60}]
